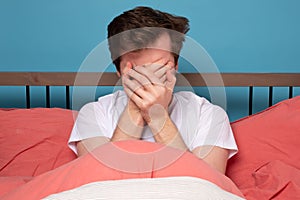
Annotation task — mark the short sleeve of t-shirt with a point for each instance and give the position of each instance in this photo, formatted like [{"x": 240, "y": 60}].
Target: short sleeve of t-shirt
[
  {"x": 211, "y": 126},
  {"x": 89, "y": 123}
]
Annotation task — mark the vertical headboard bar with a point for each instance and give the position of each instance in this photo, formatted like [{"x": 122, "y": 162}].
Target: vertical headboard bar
[
  {"x": 250, "y": 99},
  {"x": 290, "y": 92},
  {"x": 270, "y": 96},
  {"x": 68, "y": 97},
  {"x": 27, "y": 96},
  {"x": 47, "y": 96}
]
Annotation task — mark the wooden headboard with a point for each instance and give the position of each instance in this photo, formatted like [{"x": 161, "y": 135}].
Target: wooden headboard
[{"x": 68, "y": 79}]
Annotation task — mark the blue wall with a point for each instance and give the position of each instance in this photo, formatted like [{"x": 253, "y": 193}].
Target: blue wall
[{"x": 240, "y": 36}]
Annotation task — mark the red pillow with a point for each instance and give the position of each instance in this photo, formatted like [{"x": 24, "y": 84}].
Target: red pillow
[
  {"x": 273, "y": 134},
  {"x": 34, "y": 141},
  {"x": 275, "y": 180},
  {"x": 122, "y": 160}
]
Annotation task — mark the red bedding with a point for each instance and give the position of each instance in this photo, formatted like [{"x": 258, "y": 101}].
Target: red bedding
[
  {"x": 35, "y": 160},
  {"x": 34, "y": 141},
  {"x": 147, "y": 159},
  {"x": 268, "y": 145}
]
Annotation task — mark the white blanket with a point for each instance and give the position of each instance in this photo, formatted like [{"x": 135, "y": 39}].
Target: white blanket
[{"x": 188, "y": 188}]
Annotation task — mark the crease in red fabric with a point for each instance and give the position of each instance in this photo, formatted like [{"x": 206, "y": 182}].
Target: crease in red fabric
[{"x": 275, "y": 180}]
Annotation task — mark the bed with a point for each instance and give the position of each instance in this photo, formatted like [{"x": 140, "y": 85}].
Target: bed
[{"x": 35, "y": 162}]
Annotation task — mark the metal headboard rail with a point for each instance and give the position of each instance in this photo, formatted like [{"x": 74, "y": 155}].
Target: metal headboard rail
[{"x": 68, "y": 79}]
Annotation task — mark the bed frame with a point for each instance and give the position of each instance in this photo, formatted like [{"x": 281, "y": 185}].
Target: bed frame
[{"x": 67, "y": 79}]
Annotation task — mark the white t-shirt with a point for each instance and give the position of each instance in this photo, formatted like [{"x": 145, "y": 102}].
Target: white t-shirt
[{"x": 198, "y": 121}]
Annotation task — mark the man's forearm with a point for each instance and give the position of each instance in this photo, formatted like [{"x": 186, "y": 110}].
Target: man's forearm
[
  {"x": 130, "y": 126},
  {"x": 121, "y": 134},
  {"x": 167, "y": 134}
]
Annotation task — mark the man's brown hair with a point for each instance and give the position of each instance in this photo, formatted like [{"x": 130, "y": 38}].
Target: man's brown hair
[{"x": 142, "y": 20}]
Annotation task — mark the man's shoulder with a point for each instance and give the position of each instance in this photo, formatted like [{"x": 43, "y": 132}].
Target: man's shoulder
[{"x": 192, "y": 101}]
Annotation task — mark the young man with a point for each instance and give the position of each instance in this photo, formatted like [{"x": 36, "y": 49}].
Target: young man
[{"x": 145, "y": 46}]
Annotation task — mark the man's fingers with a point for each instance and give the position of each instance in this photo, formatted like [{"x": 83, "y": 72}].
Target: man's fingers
[
  {"x": 136, "y": 89},
  {"x": 171, "y": 79},
  {"x": 163, "y": 79},
  {"x": 128, "y": 91},
  {"x": 138, "y": 77},
  {"x": 133, "y": 85},
  {"x": 162, "y": 71},
  {"x": 131, "y": 95},
  {"x": 154, "y": 66},
  {"x": 148, "y": 74},
  {"x": 159, "y": 69}
]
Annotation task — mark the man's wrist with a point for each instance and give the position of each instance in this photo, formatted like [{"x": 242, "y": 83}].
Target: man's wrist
[
  {"x": 158, "y": 117},
  {"x": 131, "y": 123}
]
